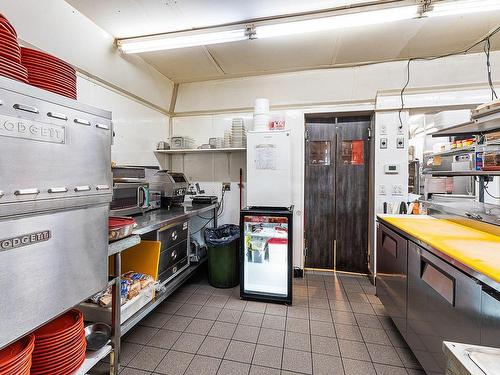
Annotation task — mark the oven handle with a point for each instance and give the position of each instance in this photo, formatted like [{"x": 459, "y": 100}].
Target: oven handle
[{"x": 142, "y": 197}]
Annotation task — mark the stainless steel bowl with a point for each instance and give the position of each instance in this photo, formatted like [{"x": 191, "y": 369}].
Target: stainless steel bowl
[{"x": 97, "y": 335}]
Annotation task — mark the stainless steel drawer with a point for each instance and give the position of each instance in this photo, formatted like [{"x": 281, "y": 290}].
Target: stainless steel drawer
[
  {"x": 49, "y": 263},
  {"x": 173, "y": 234},
  {"x": 173, "y": 270},
  {"x": 392, "y": 267},
  {"x": 444, "y": 304},
  {"x": 172, "y": 255},
  {"x": 490, "y": 322}
]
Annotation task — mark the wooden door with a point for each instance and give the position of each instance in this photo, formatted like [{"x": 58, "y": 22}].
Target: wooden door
[
  {"x": 336, "y": 193},
  {"x": 351, "y": 194},
  {"x": 320, "y": 195}
]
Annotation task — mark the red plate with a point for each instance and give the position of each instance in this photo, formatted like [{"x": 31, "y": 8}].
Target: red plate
[
  {"x": 6, "y": 37},
  {"x": 44, "y": 56},
  {"x": 12, "y": 65},
  {"x": 16, "y": 78},
  {"x": 47, "y": 345},
  {"x": 10, "y": 56},
  {"x": 59, "y": 325},
  {"x": 19, "y": 368},
  {"x": 47, "y": 349},
  {"x": 60, "y": 368},
  {"x": 12, "y": 68},
  {"x": 46, "y": 64},
  {"x": 72, "y": 332},
  {"x": 50, "y": 78},
  {"x": 16, "y": 351},
  {"x": 55, "y": 84},
  {"x": 52, "y": 74},
  {"x": 56, "y": 90},
  {"x": 8, "y": 25},
  {"x": 59, "y": 356},
  {"x": 12, "y": 50}
]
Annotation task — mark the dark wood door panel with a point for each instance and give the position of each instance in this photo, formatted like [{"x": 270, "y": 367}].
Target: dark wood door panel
[
  {"x": 351, "y": 193},
  {"x": 320, "y": 195}
]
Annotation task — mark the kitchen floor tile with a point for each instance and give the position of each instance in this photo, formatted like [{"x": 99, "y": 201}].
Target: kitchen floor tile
[
  {"x": 174, "y": 363},
  {"x": 235, "y": 304},
  {"x": 178, "y": 323},
  {"x": 272, "y": 337},
  {"x": 408, "y": 358},
  {"x": 355, "y": 367},
  {"x": 396, "y": 339},
  {"x": 164, "y": 339},
  {"x": 325, "y": 345},
  {"x": 217, "y": 301},
  {"x": 148, "y": 358},
  {"x": 155, "y": 320},
  {"x": 246, "y": 333},
  {"x": 188, "y": 310},
  {"x": 274, "y": 321},
  {"x": 269, "y": 356},
  {"x": 370, "y": 321},
  {"x": 128, "y": 351},
  {"x": 297, "y": 361},
  {"x": 375, "y": 336},
  {"x": 274, "y": 309},
  {"x": 389, "y": 370},
  {"x": 251, "y": 319},
  {"x": 133, "y": 371},
  {"x": 348, "y": 332},
  {"x": 343, "y": 317},
  {"x": 298, "y": 341},
  {"x": 327, "y": 365},
  {"x": 362, "y": 308},
  {"x": 297, "y": 312},
  {"x": 198, "y": 299},
  {"x": 229, "y": 316},
  {"x": 340, "y": 305},
  {"x": 214, "y": 347},
  {"x": 169, "y": 307},
  {"x": 256, "y": 307},
  {"x": 322, "y": 329},
  {"x": 240, "y": 351},
  {"x": 201, "y": 365},
  {"x": 386, "y": 355},
  {"x": 140, "y": 334},
  {"x": 322, "y": 315},
  {"x": 319, "y": 303},
  {"x": 259, "y": 370},
  {"x": 223, "y": 330},
  {"x": 233, "y": 368},
  {"x": 297, "y": 325},
  {"x": 208, "y": 312},
  {"x": 188, "y": 342},
  {"x": 200, "y": 326},
  {"x": 354, "y": 350}
]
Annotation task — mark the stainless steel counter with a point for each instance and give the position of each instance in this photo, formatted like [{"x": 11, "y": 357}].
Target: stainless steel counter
[{"x": 157, "y": 219}]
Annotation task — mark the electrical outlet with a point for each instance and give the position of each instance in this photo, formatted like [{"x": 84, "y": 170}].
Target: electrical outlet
[
  {"x": 226, "y": 186},
  {"x": 397, "y": 189},
  {"x": 383, "y": 129},
  {"x": 401, "y": 130},
  {"x": 382, "y": 190},
  {"x": 383, "y": 143},
  {"x": 400, "y": 142}
]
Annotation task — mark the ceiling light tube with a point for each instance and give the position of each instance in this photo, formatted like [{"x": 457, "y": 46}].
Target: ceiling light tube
[
  {"x": 172, "y": 41},
  {"x": 337, "y": 22},
  {"x": 451, "y": 8}
]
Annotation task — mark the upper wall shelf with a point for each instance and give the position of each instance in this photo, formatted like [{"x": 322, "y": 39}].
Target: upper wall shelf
[{"x": 200, "y": 151}]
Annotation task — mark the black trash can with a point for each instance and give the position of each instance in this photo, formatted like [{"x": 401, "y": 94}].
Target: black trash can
[{"x": 223, "y": 255}]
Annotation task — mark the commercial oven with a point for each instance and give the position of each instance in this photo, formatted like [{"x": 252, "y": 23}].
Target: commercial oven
[{"x": 55, "y": 189}]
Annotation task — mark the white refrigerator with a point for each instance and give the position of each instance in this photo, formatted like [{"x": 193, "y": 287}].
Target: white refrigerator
[{"x": 269, "y": 169}]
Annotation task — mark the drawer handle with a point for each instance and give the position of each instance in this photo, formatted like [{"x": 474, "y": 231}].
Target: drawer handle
[
  {"x": 82, "y": 188},
  {"x": 390, "y": 244},
  {"x": 102, "y": 187},
  {"x": 173, "y": 255},
  {"x": 438, "y": 280},
  {"x": 58, "y": 190},
  {"x": 60, "y": 116},
  {"x": 102, "y": 126},
  {"x": 27, "y": 108},
  {"x": 174, "y": 235},
  {"x": 27, "y": 191},
  {"x": 82, "y": 121}
]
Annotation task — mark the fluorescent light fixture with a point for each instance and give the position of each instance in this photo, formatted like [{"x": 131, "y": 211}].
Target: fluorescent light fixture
[
  {"x": 337, "y": 22},
  {"x": 189, "y": 39},
  {"x": 450, "y": 8}
]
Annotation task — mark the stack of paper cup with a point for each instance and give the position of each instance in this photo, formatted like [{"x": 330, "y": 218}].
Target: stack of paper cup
[{"x": 261, "y": 115}]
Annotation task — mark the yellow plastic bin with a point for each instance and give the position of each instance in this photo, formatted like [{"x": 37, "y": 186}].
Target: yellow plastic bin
[{"x": 143, "y": 258}]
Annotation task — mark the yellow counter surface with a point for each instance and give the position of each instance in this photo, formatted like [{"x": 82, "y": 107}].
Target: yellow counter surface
[{"x": 476, "y": 249}]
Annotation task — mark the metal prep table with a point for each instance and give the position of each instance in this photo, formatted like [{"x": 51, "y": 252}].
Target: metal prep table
[{"x": 147, "y": 222}]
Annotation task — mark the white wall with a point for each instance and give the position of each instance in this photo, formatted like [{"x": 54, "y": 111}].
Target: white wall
[
  {"x": 137, "y": 127},
  {"x": 433, "y": 84},
  {"x": 57, "y": 28}
]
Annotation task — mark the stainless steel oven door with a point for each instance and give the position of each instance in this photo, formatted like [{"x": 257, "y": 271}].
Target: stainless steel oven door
[{"x": 48, "y": 263}]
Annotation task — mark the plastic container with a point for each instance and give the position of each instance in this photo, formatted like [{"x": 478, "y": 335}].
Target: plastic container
[
  {"x": 261, "y": 106},
  {"x": 223, "y": 255},
  {"x": 261, "y": 122},
  {"x": 120, "y": 227}
]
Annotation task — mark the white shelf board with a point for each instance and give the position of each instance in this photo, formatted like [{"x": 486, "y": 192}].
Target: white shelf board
[
  {"x": 201, "y": 151},
  {"x": 92, "y": 358}
]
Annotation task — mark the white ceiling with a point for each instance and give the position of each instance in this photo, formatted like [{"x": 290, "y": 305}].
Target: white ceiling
[{"x": 351, "y": 46}]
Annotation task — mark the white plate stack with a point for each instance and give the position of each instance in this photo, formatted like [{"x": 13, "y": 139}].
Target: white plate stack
[
  {"x": 261, "y": 116},
  {"x": 227, "y": 139},
  {"x": 238, "y": 135}
]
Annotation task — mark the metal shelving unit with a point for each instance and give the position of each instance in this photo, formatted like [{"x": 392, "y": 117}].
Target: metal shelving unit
[
  {"x": 201, "y": 150},
  {"x": 463, "y": 173},
  {"x": 453, "y": 152},
  {"x": 92, "y": 359}
]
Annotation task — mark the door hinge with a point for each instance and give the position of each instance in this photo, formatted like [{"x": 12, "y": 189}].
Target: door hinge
[
  {"x": 306, "y": 135},
  {"x": 369, "y": 133}
]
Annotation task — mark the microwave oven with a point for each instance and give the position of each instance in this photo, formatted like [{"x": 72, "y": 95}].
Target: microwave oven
[{"x": 129, "y": 198}]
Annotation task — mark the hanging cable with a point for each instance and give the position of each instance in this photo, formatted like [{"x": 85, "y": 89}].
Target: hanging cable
[
  {"x": 487, "y": 192},
  {"x": 487, "y": 46}
]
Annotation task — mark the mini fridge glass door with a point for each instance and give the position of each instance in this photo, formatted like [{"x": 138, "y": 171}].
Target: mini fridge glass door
[{"x": 265, "y": 252}]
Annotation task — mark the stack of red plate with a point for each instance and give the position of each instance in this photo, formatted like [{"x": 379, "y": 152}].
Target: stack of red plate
[
  {"x": 10, "y": 53},
  {"x": 60, "y": 345},
  {"x": 15, "y": 359},
  {"x": 49, "y": 72}
]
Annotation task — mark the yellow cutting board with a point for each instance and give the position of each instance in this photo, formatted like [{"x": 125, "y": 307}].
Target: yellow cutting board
[{"x": 474, "y": 248}]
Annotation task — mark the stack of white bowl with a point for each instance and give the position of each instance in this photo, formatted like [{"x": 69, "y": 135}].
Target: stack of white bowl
[
  {"x": 238, "y": 135},
  {"x": 261, "y": 116}
]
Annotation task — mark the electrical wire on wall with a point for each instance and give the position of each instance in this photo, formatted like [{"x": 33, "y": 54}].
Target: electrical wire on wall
[
  {"x": 220, "y": 211},
  {"x": 486, "y": 48},
  {"x": 487, "y": 192}
]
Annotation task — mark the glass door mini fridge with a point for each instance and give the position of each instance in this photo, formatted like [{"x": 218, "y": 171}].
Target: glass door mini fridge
[{"x": 266, "y": 254}]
